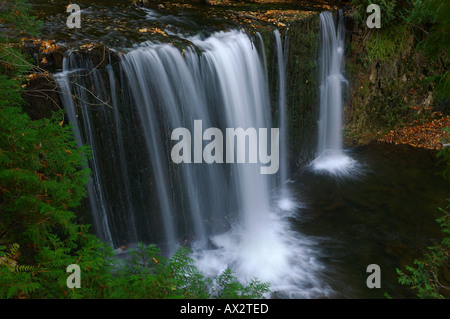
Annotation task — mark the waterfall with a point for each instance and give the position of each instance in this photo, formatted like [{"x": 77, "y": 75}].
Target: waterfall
[
  {"x": 331, "y": 157},
  {"x": 96, "y": 196},
  {"x": 128, "y": 202},
  {"x": 282, "y": 107},
  {"x": 285, "y": 201},
  {"x": 225, "y": 212},
  {"x": 245, "y": 102},
  {"x": 331, "y": 79},
  {"x": 260, "y": 242}
]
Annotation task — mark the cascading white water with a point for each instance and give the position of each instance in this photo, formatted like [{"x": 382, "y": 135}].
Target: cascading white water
[
  {"x": 285, "y": 200},
  {"x": 129, "y": 206},
  {"x": 169, "y": 91},
  {"x": 260, "y": 243},
  {"x": 331, "y": 157},
  {"x": 64, "y": 81},
  {"x": 245, "y": 102},
  {"x": 181, "y": 89},
  {"x": 281, "y": 51},
  {"x": 230, "y": 207}
]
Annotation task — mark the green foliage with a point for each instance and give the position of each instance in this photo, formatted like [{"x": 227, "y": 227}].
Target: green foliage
[
  {"x": 387, "y": 44},
  {"x": 408, "y": 63},
  {"x": 434, "y": 14},
  {"x": 46, "y": 278},
  {"x": 14, "y": 278},
  {"x": 42, "y": 175},
  {"x": 147, "y": 274},
  {"x": 143, "y": 274},
  {"x": 17, "y": 20},
  {"x": 434, "y": 18},
  {"x": 392, "y": 11},
  {"x": 431, "y": 18},
  {"x": 424, "y": 275},
  {"x": 42, "y": 171},
  {"x": 230, "y": 288}
]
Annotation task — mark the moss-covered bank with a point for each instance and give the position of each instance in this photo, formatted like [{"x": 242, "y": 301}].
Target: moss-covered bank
[{"x": 389, "y": 81}]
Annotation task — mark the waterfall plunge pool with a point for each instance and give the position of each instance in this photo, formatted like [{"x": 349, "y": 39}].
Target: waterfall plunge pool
[
  {"x": 333, "y": 227},
  {"x": 383, "y": 215}
]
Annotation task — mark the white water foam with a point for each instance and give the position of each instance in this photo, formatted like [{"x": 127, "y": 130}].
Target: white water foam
[
  {"x": 272, "y": 253},
  {"x": 335, "y": 163}
]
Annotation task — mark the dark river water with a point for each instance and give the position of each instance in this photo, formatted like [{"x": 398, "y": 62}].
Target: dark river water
[
  {"x": 122, "y": 24},
  {"x": 385, "y": 216}
]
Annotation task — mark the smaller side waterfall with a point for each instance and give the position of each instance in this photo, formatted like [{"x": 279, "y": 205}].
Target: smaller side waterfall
[
  {"x": 282, "y": 106},
  {"x": 331, "y": 157},
  {"x": 285, "y": 201},
  {"x": 71, "y": 70}
]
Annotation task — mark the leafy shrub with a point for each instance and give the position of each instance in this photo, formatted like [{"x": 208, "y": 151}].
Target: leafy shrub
[
  {"x": 387, "y": 45},
  {"x": 392, "y": 11},
  {"x": 434, "y": 17},
  {"x": 147, "y": 274},
  {"x": 424, "y": 275},
  {"x": 143, "y": 274}
]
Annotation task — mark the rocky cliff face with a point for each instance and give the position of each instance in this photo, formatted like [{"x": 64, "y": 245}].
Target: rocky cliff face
[{"x": 388, "y": 82}]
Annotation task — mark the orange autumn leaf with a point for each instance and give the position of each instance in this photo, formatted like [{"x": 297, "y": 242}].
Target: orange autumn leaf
[{"x": 428, "y": 135}]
